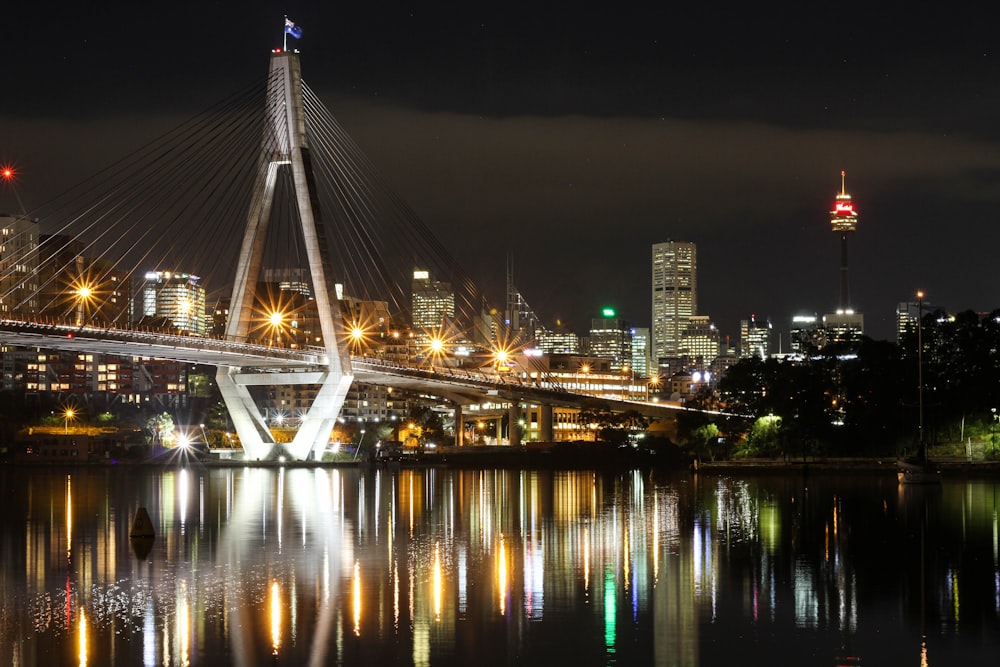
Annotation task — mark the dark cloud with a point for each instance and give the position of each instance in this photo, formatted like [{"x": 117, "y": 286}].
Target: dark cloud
[{"x": 574, "y": 138}]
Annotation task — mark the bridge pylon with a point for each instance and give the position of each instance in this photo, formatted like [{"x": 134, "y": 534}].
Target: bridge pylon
[{"x": 285, "y": 145}]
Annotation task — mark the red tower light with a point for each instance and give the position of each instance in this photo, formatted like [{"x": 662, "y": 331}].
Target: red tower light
[{"x": 843, "y": 217}]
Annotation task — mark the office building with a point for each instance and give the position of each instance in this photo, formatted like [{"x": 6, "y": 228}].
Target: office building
[
  {"x": 675, "y": 295},
  {"x": 640, "y": 352},
  {"x": 18, "y": 265},
  {"x": 755, "y": 338},
  {"x": 433, "y": 305},
  {"x": 700, "y": 340},
  {"x": 611, "y": 338},
  {"x": 177, "y": 298}
]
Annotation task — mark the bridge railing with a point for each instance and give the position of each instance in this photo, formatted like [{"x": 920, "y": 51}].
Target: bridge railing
[{"x": 44, "y": 326}]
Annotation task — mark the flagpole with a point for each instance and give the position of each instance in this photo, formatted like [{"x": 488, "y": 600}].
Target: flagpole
[{"x": 284, "y": 35}]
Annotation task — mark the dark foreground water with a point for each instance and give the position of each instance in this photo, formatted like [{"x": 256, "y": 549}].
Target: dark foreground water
[{"x": 495, "y": 567}]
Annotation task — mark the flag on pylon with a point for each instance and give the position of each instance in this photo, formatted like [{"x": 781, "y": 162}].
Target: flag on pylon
[{"x": 293, "y": 30}]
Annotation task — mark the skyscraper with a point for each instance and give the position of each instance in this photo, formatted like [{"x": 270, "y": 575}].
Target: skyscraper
[
  {"x": 433, "y": 305},
  {"x": 611, "y": 338},
  {"x": 18, "y": 265},
  {"x": 675, "y": 295},
  {"x": 755, "y": 338},
  {"x": 177, "y": 297}
]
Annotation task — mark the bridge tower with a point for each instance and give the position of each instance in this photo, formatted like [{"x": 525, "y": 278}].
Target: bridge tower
[{"x": 285, "y": 146}]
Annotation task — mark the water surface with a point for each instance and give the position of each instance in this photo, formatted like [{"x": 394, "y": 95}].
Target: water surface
[{"x": 494, "y": 567}]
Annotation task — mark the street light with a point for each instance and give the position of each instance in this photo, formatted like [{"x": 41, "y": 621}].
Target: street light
[
  {"x": 275, "y": 320},
  {"x": 69, "y": 414},
  {"x": 653, "y": 386},
  {"x": 993, "y": 427},
  {"x": 920, "y": 372},
  {"x": 83, "y": 293}
]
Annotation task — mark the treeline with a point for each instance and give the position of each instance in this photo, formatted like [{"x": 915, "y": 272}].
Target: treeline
[{"x": 860, "y": 397}]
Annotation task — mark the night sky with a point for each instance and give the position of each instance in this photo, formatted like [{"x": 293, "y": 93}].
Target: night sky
[{"x": 573, "y": 137}]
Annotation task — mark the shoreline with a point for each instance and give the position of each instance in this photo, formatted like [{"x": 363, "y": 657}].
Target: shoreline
[{"x": 566, "y": 457}]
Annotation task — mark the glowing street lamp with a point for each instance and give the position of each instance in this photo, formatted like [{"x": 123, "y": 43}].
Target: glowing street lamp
[
  {"x": 653, "y": 386},
  {"x": 83, "y": 293},
  {"x": 67, "y": 415},
  {"x": 276, "y": 321},
  {"x": 358, "y": 338}
]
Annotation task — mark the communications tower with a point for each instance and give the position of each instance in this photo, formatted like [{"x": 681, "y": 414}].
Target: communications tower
[{"x": 843, "y": 220}]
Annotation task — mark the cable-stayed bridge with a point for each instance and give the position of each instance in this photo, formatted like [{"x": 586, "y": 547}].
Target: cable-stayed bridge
[{"x": 296, "y": 235}]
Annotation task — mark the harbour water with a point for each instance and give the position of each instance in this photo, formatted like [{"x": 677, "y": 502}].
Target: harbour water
[{"x": 438, "y": 566}]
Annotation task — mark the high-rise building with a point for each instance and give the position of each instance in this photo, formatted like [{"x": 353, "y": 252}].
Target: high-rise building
[
  {"x": 18, "y": 265},
  {"x": 176, "y": 297},
  {"x": 433, "y": 305},
  {"x": 907, "y": 315},
  {"x": 700, "y": 340},
  {"x": 559, "y": 340},
  {"x": 640, "y": 352},
  {"x": 842, "y": 327},
  {"x": 611, "y": 338},
  {"x": 675, "y": 295},
  {"x": 755, "y": 338},
  {"x": 806, "y": 335}
]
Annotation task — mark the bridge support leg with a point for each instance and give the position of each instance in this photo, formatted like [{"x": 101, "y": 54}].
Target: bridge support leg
[
  {"x": 514, "y": 426},
  {"x": 545, "y": 433},
  {"x": 318, "y": 423},
  {"x": 459, "y": 426},
  {"x": 255, "y": 437}
]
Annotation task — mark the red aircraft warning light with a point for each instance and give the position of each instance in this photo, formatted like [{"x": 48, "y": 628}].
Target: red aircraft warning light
[{"x": 843, "y": 218}]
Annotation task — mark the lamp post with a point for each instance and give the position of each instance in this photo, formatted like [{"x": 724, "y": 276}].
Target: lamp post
[
  {"x": 276, "y": 320},
  {"x": 993, "y": 427},
  {"x": 67, "y": 416},
  {"x": 920, "y": 373}
]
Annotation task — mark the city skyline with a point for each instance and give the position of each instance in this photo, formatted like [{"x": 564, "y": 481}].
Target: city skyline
[{"x": 577, "y": 140}]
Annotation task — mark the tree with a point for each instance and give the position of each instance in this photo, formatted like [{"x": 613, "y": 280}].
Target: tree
[
  {"x": 428, "y": 423},
  {"x": 161, "y": 429},
  {"x": 614, "y": 427}
]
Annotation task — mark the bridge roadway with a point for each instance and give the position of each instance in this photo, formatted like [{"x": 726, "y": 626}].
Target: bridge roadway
[{"x": 460, "y": 385}]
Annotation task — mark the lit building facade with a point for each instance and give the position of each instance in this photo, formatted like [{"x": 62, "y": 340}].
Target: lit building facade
[
  {"x": 806, "y": 335},
  {"x": 18, "y": 265},
  {"x": 176, "y": 297},
  {"x": 675, "y": 295},
  {"x": 755, "y": 338},
  {"x": 908, "y": 314},
  {"x": 700, "y": 340},
  {"x": 557, "y": 341},
  {"x": 640, "y": 351},
  {"x": 611, "y": 338},
  {"x": 433, "y": 305},
  {"x": 843, "y": 326}
]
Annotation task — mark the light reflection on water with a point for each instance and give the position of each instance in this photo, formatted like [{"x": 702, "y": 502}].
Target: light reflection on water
[{"x": 440, "y": 567}]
